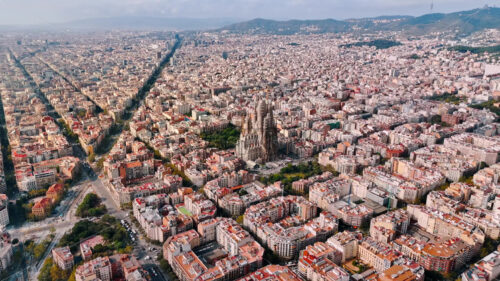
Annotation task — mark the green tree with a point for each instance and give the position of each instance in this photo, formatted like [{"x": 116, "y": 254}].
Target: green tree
[
  {"x": 100, "y": 162},
  {"x": 81, "y": 113},
  {"x": 57, "y": 274},
  {"x": 72, "y": 276},
  {"x": 224, "y": 139},
  {"x": 435, "y": 119},
  {"x": 108, "y": 226},
  {"x": 91, "y": 206},
  {"x": 45, "y": 270},
  {"x": 39, "y": 249},
  {"x": 157, "y": 154},
  {"x": 37, "y": 193},
  {"x": 240, "y": 219},
  {"x": 168, "y": 269},
  {"x": 365, "y": 227}
]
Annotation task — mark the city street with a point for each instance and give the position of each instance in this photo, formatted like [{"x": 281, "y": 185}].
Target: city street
[
  {"x": 155, "y": 272},
  {"x": 321, "y": 140}
]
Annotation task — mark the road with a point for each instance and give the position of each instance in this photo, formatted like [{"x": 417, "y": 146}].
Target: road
[
  {"x": 97, "y": 185},
  {"x": 65, "y": 219},
  {"x": 155, "y": 272},
  {"x": 35, "y": 270},
  {"x": 66, "y": 211},
  {"x": 90, "y": 182},
  {"x": 68, "y": 80},
  {"x": 142, "y": 251}
]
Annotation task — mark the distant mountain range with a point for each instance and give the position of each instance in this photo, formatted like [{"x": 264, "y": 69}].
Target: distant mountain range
[{"x": 464, "y": 22}]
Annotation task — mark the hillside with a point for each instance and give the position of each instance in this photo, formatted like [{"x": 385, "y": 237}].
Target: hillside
[
  {"x": 263, "y": 26},
  {"x": 464, "y": 22}
]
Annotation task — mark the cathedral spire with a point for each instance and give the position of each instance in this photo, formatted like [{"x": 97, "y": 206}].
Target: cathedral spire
[{"x": 259, "y": 140}]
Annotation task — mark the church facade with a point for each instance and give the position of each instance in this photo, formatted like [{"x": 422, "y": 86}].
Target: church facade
[{"x": 259, "y": 137}]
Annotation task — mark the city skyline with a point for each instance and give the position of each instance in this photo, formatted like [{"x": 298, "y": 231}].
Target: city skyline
[{"x": 217, "y": 140}]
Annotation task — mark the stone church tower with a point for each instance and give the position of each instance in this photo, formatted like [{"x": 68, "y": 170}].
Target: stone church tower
[{"x": 259, "y": 137}]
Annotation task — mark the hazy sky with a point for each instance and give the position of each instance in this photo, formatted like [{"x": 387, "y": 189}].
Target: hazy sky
[{"x": 51, "y": 11}]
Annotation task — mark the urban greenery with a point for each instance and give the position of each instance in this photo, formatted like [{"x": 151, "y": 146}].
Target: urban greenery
[
  {"x": 378, "y": 43},
  {"x": 361, "y": 267},
  {"x": 91, "y": 206},
  {"x": 36, "y": 193},
  {"x": 488, "y": 247},
  {"x": 448, "y": 97},
  {"x": 291, "y": 173},
  {"x": 36, "y": 250},
  {"x": 166, "y": 268},
  {"x": 141, "y": 230},
  {"x": 126, "y": 206},
  {"x": 100, "y": 162},
  {"x": 20, "y": 211},
  {"x": 185, "y": 180},
  {"x": 436, "y": 119},
  {"x": 476, "y": 50},
  {"x": 67, "y": 132},
  {"x": 436, "y": 275},
  {"x": 8, "y": 166},
  {"x": 72, "y": 276},
  {"x": 109, "y": 140},
  {"x": 51, "y": 272},
  {"x": 467, "y": 179},
  {"x": 109, "y": 227},
  {"x": 224, "y": 139},
  {"x": 240, "y": 219},
  {"x": 488, "y": 105}
]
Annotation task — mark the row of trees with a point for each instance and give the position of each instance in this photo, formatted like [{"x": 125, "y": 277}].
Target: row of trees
[
  {"x": 36, "y": 250},
  {"x": 68, "y": 133},
  {"x": 108, "y": 142},
  {"x": 8, "y": 165},
  {"x": 185, "y": 180},
  {"x": 167, "y": 268},
  {"x": 51, "y": 272}
]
